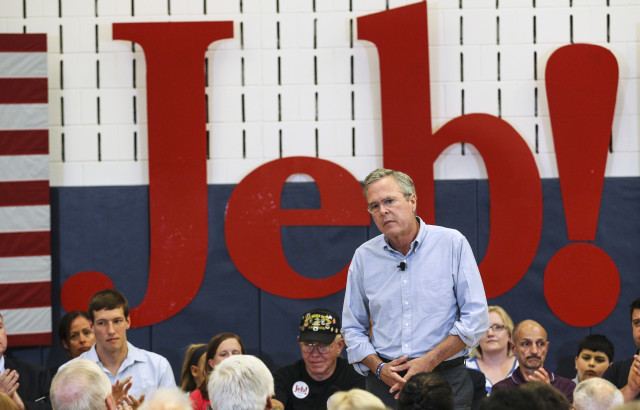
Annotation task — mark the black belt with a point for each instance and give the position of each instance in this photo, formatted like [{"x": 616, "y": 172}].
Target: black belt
[{"x": 446, "y": 365}]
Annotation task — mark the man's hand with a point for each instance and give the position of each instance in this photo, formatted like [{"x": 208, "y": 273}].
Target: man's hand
[
  {"x": 423, "y": 363},
  {"x": 133, "y": 402},
  {"x": 389, "y": 374},
  {"x": 9, "y": 382},
  {"x": 540, "y": 375},
  {"x": 631, "y": 390},
  {"x": 120, "y": 390},
  {"x": 18, "y": 401}
]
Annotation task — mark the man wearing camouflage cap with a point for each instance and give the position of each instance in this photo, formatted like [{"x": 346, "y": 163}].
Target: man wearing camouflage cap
[{"x": 308, "y": 383}]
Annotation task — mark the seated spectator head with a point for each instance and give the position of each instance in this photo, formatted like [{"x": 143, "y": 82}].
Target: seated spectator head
[
  {"x": 426, "y": 391},
  {"x": 355, "y": 399},
  {"x": 550, "y": 397},
  {"x": 596, "y": 394},
  {"x": 511, "y": 398},
  {"x": 241, "y": 382},
  {"x": 167, "y": 399},
  {"x": 220, "y": 347},
  {"x": 7, "y": 403},
  {"x": 81, "y": 385},
  {"x": 193, "y": 367},
  {"x": 499, "y": 335},
  {"x": 634, "y": 312},
  {"x": 594, "y": 356},
  {"x": 530, "y": 345},
  {"x": 320, "y": 342},
  {"x": 75, "y": 332}
]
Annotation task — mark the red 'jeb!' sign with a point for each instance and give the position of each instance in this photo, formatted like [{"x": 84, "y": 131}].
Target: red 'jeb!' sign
[{"x": 177, "y": 172}]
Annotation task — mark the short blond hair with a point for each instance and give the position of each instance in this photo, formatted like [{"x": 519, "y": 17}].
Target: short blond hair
[
  {"x": 477, "y": 351},
  {"x": 355, "y": 399}
]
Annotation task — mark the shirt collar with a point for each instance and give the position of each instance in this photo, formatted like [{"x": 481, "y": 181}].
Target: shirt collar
[{"x": 422, "y": 233}]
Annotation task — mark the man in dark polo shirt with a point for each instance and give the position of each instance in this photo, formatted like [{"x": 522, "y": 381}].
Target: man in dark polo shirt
[
  {"x": 308, "y": 383},
  {"x": 625, "y": 374},
  {"x": 530, "y": 346}
]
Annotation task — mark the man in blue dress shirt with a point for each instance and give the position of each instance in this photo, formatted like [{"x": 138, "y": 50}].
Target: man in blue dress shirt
[{"x": 420, "y": 286}]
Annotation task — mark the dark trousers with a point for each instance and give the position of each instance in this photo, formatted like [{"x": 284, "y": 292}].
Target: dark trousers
[{"x": 457, "y": 376}]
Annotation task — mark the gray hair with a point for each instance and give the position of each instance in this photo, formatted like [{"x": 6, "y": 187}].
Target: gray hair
[
  {"x": 79, "y": 385},
  {"x": 404, "y": 181},
  {"x": 167, "y": 398},
  {"x": 596, "y": 394},
  {"x": 240, "y": 382}
]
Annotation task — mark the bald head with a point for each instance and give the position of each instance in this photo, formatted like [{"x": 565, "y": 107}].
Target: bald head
[
  {"x": 528, "y": 326},
  {"x": 530, "y": 345}
]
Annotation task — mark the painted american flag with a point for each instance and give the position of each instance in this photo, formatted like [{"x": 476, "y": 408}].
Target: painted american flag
[{"x": 25, "y": 245}]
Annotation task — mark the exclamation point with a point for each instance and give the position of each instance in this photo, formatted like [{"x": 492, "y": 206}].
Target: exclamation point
[{"x": 581, "y": 83}]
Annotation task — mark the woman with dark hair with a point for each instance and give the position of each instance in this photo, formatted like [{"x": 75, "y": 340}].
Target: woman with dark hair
[
  {"x": 221, "y": 347},
  {"x": 76, "y": 336}
]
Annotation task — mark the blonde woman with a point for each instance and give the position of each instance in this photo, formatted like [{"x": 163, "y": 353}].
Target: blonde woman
[{"x": 493, "y": 356}]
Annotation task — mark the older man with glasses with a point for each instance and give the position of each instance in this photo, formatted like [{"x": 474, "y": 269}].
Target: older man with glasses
[
  {"x": 418, "y": 288},
  {"x": 308, "y": 383}
]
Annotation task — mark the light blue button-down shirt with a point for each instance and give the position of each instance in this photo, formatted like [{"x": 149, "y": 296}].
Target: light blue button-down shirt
[
  {"x": 439, "y": 293},
  {"x": 149, "y": 370}
]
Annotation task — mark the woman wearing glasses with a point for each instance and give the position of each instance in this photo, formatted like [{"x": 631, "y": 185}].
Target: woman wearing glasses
[
  {"x": 221, "y": 347},
  {"x": 493, "y": 356}
]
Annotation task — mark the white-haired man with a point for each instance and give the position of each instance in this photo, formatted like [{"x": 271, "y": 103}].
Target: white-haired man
[
  {"x": 81, "y": 385},
  {"x": 596, "y": 394},
  {"x": 240, "y": 382}
]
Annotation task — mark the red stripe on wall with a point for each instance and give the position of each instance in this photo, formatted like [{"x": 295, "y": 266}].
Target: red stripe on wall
[
  {"x": 25, "y": 295},
  {"x": 23, "y": 90},
  {"x": 19, "y": 193},
  {"x": 31, "y": 339},
  {"x": 24, "y": 142},
  {"x": 23, "y": 42},
  {"x": 25, "y": 244}
]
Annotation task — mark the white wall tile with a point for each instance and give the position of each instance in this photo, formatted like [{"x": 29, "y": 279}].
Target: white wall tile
[
  {"x": 79, "y": 70},
  {"x": 81, "y": 143},
  {"x": 479, "y": 26}
]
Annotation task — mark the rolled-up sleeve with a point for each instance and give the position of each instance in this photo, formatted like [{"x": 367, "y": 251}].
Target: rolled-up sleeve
[
  {"x": 473, "y": 322},
  {"x": 355, "y": 317}
]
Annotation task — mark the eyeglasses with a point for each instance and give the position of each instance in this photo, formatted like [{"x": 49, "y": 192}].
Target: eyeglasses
[
  {"x": 323, "y": 348},
  {"x": 374, "y": 207},
  {"x": 497, "y": 328}
]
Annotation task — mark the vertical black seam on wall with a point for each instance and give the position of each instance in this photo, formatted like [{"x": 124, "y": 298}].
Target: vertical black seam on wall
[
  {"x": 24, "y": 9},
  {"x": 59, "y": 8},
  {"x": 208, "y": 144},
  {"x": 571, "y": 29},
  {"x": 135, "y": 146}
]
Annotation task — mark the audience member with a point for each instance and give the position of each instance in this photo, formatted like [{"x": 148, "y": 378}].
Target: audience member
[
  {"x": 193, "y": 367},
  {"x": 596, "y": 394},
  {"x": 241, "y": 382},
  {"x": 220, "y": 347},
  {"x": 594, "y": 356},
  {"x": 26, "y": 383},
  {"x": 355, "y": 399},
  {"x": 550, "y": 397},
  {"x": 6, "y": 403},
  {"x": 625, "y": 374},
  {"x": 76, "y": 335},
  {"x": 119, "y": 359},
  {"x": 493, "y": 356},
  {"x": 511, "y": 398},
  {"x": 426, "y": 391},
  {"x": 479, "y": 387},
  {"x": 308, "y": 383},
  {"x": 167, "y": 398},
  {"x": 81, "y": 385},
  {"x": 530, "y": 347}
]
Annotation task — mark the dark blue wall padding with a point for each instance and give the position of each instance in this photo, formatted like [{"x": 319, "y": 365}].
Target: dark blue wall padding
[{"x": 107, "y": 228}]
